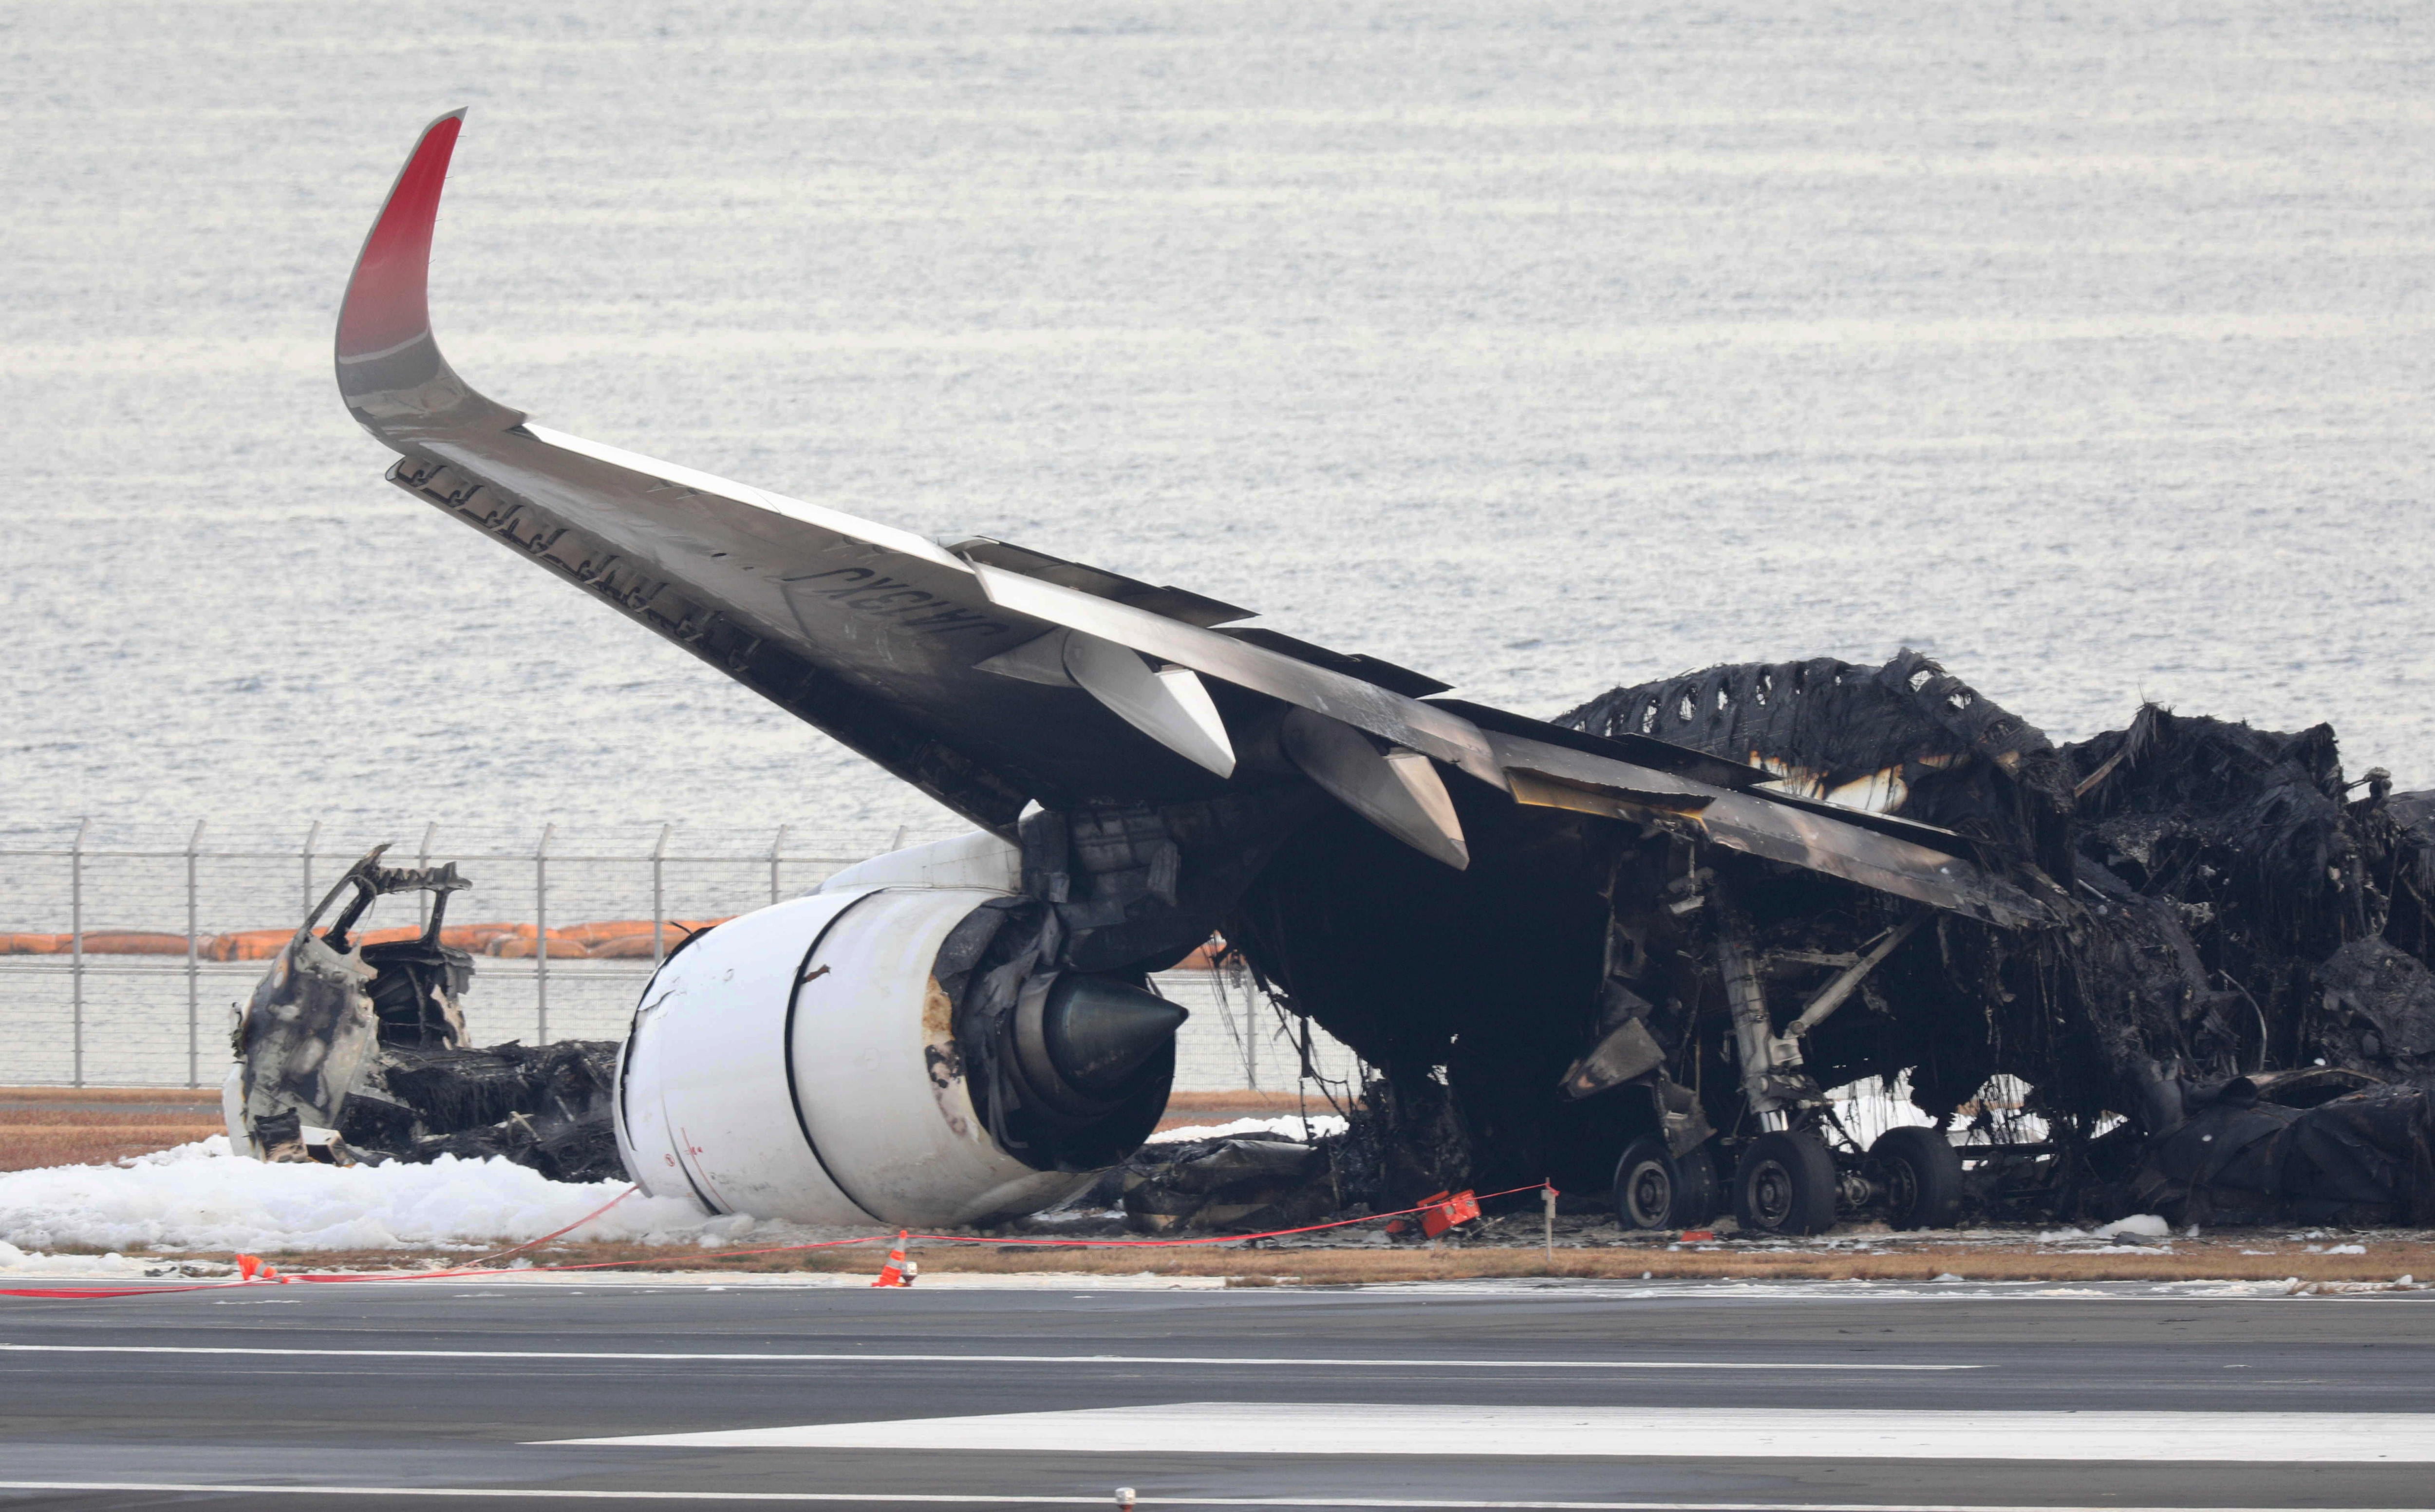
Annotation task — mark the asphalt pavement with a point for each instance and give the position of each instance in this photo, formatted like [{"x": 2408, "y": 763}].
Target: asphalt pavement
[{"x": 422, "y": 1393}]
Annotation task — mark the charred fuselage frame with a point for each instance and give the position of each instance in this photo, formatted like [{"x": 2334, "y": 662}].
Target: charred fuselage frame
[
  {"x": 1606, "y": 983},
  {"x": 353, "y": 1050}
]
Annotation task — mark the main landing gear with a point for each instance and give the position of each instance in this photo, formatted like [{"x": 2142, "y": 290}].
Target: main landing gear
[
  {"x": 1919, "y": 1174},
  {"x": 1788, "y": 1182},
  {"x": 1785, "y": 1184},
  {"x": 1787, "y": 1177},
  {"x": 1654, "y": 1188}
]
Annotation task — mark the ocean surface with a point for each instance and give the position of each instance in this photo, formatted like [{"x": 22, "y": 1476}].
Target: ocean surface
[{"x": 1540, "y": 346}]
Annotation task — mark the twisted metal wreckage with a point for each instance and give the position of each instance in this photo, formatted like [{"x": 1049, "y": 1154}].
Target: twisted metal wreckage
[{"x": 1631, "y": 946}]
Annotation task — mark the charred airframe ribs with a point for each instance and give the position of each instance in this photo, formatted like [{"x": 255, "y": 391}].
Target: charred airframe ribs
[{"x": 353, "y": 1050}]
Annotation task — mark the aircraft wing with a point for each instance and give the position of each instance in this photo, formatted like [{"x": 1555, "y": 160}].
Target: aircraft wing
[{"x": 987, "y": 675}]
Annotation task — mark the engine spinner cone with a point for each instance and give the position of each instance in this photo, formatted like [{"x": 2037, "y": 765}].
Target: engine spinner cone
[{"x": 1098, "y": 1032}]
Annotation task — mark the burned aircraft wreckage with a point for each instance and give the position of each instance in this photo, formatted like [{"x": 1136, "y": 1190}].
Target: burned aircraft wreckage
[
  {"x": 1629, "y": 950},
  {"x": 354, "y": 1049}
]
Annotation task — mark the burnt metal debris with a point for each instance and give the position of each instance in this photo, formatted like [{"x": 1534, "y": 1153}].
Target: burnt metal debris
[
  {"x": 2230, "y": 915},
  {"x": 355, "y": 1052},
  {"x": 1235, "y": 1184},
  {"x": 2228, "y": 1015},
  {"x": 2224, "y": 1012}
]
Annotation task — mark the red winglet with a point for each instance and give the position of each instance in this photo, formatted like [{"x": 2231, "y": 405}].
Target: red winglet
[{"x": 387, "y": 302}]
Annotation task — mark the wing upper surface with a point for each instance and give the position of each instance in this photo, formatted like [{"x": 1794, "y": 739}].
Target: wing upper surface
[{"x": 937, "y": 663}]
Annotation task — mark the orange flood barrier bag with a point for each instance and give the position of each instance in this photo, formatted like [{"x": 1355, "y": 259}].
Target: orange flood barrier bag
[
  {"x": 246, "y": 945},
  {"x": 33, "y": 944},
  {"x": 261, "y": 944},
  {"x": 480, "y": 936},
  {"x": 637, "y": 947},
  {"x": 133, "y": 942},
  {"x": 614, "y": 940},
  {"x": 630, "y": 939},
  {"x": 522, "y": 947},
  {"x": 607, "y": 930}
]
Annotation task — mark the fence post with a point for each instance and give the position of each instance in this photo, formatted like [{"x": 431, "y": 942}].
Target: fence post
[
  {"x": 423, "y": 863},
  {"x": 194, "y": 971},
  {"x": 1251, "y": 1027},
  {"x": 775, "y": 846},
  {"x": 310, "y": 836},
  {"x": 541, "y": 937},
  {"x": 659, "y": 903},
  {"x": 76, "y": 948}
]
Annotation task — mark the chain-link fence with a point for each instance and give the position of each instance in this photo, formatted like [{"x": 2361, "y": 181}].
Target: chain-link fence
[{"x": 124, "y": 949}]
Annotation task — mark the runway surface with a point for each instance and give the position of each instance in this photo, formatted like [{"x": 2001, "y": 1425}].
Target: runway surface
[{"x": 409, "y": 1394}]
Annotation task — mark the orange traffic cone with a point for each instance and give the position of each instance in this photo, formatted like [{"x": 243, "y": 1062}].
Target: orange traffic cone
[
  {"x": 893, "y": 1274},
  {"x": 247, "y": 1266}
]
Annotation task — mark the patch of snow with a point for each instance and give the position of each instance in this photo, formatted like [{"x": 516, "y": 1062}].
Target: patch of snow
[
  {"x": 2138, "y": 1225},
  {"x": 2344, "y": 1249},
  {"x": 16, "y": 1261},
  {"x": 200, "y": 1196},
  {"x": 1290, "y": 1125},
  {"x": 1058, "y": 1215}
]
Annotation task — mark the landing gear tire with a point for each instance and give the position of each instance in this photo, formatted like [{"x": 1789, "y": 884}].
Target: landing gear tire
[
  {"x": 1785, "y": 1185},
  {"x": 1654, "y": 1188},
  {"x": 1922, "y": 1175}
]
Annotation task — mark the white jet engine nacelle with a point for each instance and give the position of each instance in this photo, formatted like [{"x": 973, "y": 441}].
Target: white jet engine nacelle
[{"x": 801, "y": 1063}]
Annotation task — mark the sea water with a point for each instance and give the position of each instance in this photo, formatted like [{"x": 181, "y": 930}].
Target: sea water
[{"x": 1542, "y": 347}]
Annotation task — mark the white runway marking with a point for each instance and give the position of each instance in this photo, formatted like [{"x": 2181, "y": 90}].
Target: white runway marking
[
  {"x": 1298, "y": 1362},
  {"x": 1655, "y": 1433},
  {"x": 951, "y": 1499}
]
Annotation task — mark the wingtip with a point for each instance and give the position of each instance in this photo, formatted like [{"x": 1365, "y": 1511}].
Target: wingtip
[
  {"x": 391, "y": 372},
  {"x": 387, "y": 304}
]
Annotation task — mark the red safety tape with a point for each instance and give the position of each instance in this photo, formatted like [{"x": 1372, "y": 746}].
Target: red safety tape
[
  {"x": 478, "y": 1269},
  {"x": 534, "y": 1243},
  {"x": 1224, "y": 1239}
]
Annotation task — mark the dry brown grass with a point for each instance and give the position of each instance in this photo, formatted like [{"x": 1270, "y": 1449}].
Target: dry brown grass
[
  {"x": 199, "y": 1097},
  {"x": 1187, "y": 1110},
  {"x": 39, "y": 1136}
]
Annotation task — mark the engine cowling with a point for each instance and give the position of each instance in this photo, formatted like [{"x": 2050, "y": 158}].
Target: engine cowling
[{"x": 802, "y": 1062}]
